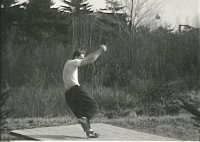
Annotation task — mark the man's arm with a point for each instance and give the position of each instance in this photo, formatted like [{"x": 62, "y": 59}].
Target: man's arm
[{"x": 91, "y": 58}]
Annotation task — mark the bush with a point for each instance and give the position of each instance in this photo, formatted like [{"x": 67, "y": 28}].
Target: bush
[
  {"x": 37, "y": 101},
  {"x": 111, "y": 99},
  {"x": 160, "y": 100}
]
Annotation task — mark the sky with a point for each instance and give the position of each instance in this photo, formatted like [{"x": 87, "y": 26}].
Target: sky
[
  {"x": 182, "y": 12},
  {"x": 173, "y": 12}
]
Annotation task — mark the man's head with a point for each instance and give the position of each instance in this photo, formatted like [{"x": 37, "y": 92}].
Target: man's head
[{"x": 78, "y": 54}]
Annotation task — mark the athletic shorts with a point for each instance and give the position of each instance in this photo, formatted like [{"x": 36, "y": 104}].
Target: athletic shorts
[{"x": 80, "y": 103}]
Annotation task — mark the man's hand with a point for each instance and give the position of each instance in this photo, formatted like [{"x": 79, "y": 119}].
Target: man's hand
[
  {"x": 104, "y": 47},
  {"x": 92, "y": 57}
]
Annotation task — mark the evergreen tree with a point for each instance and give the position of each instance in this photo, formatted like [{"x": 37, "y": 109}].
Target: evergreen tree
[
  {"x": 39, "y": 18},
  {"x": 113, "y": 19},
  {"x": 10, "y": 15},
  {"x": 77, "y": 12},
  {"x": 114, "y": 6},
  {"x": 77, "y": 7}
]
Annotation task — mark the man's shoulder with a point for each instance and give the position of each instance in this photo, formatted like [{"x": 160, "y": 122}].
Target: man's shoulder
[{"x": 74, "y": 62}]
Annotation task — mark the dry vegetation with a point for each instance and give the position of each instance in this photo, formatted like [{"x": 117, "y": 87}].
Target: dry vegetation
[
  {"x": 142, "y": 75},
  {"x": 178, "y": 127}
]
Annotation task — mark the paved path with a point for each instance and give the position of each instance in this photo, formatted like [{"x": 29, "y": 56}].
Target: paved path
[{"x": 75, "y": 132}]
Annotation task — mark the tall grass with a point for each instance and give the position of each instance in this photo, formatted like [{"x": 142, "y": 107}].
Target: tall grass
[
  {"x": 37, "y": 100},
  {"x": 32, "y": 101},
  {"x": 138, "y": 72}
]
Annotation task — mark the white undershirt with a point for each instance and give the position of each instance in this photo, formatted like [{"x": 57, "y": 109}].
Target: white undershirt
[{"x": 70, "y": 73}]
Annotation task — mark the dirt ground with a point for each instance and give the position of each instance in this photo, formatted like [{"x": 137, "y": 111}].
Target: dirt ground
[{"x": 179, "y": 127}]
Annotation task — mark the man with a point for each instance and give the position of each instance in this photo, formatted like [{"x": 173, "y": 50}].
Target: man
[{"x": 81, "y": 104}]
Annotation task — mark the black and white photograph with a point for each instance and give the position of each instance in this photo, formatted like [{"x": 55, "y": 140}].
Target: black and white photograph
[{"x": 100, "y": 70}]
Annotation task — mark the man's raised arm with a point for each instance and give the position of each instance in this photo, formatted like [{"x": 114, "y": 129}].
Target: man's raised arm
[{"x": 91, "y": 58}]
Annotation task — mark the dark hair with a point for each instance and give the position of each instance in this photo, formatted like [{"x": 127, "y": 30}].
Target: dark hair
[{"x": 77, "y": 53}]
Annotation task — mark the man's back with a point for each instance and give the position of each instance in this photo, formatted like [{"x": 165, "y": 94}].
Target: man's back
[{"x": 70, "y": 73}]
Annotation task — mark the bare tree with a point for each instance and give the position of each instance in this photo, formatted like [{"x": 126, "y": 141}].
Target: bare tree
[{"x": 141, "y": 12}]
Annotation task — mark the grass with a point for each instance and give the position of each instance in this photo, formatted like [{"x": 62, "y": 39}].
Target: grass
[
  {"x": 47, "y": 104},
  {"x": 178, "y": 127},
  {"x": 40, "y": 107}
]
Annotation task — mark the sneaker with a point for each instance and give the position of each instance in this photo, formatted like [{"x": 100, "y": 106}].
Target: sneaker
[{"x": 92, "y": 134}]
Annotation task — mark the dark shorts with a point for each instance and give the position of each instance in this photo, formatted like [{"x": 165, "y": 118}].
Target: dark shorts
[{"x": 80, "y": 103}]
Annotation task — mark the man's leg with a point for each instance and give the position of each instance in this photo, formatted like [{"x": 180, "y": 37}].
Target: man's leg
[
  {"x": 91, "y": 133},
  {"x": 87, "y": 109},
  {"x": 83, "y": 107},
  {"x": 84, "y": 123},
  {"x": 88, "y": 121}
]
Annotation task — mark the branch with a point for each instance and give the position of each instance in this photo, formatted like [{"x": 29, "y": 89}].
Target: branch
[{"x": 194, "y": 111}]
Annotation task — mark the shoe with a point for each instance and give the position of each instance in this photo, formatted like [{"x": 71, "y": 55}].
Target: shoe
[
  {"x": 92, "y": 134},
  {"x": 84, "y": 123}
]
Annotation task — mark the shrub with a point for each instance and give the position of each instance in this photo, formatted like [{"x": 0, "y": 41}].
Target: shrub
[
  {"x": 160, "y": 100},
  {"x": 112, "y": 99}
]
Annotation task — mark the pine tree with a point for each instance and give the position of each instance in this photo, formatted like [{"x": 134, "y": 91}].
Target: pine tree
[
  {"x": 114, "y": 6},
  {"x": 9, "y": 16},
  {"x": 39, "y": 18},
  {"x": 77, "y": 12},
  {"x": 77, "y": 7}
]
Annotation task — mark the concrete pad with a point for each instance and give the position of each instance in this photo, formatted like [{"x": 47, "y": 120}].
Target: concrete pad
[{"x": 75, "y": 132}]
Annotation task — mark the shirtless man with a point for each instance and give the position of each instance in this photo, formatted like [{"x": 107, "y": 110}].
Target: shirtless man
[{"x": 81, "y": 104}]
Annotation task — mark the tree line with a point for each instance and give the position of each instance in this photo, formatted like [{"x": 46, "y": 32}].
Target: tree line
[
  {"x": 38, "y": 39},
  {"x": 150, "y": 63}
]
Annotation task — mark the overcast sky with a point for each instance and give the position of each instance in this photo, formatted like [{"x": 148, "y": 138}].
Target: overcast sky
[
  {"x": 173, "y": 12},
  {"x": 182, "y": 12}
]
